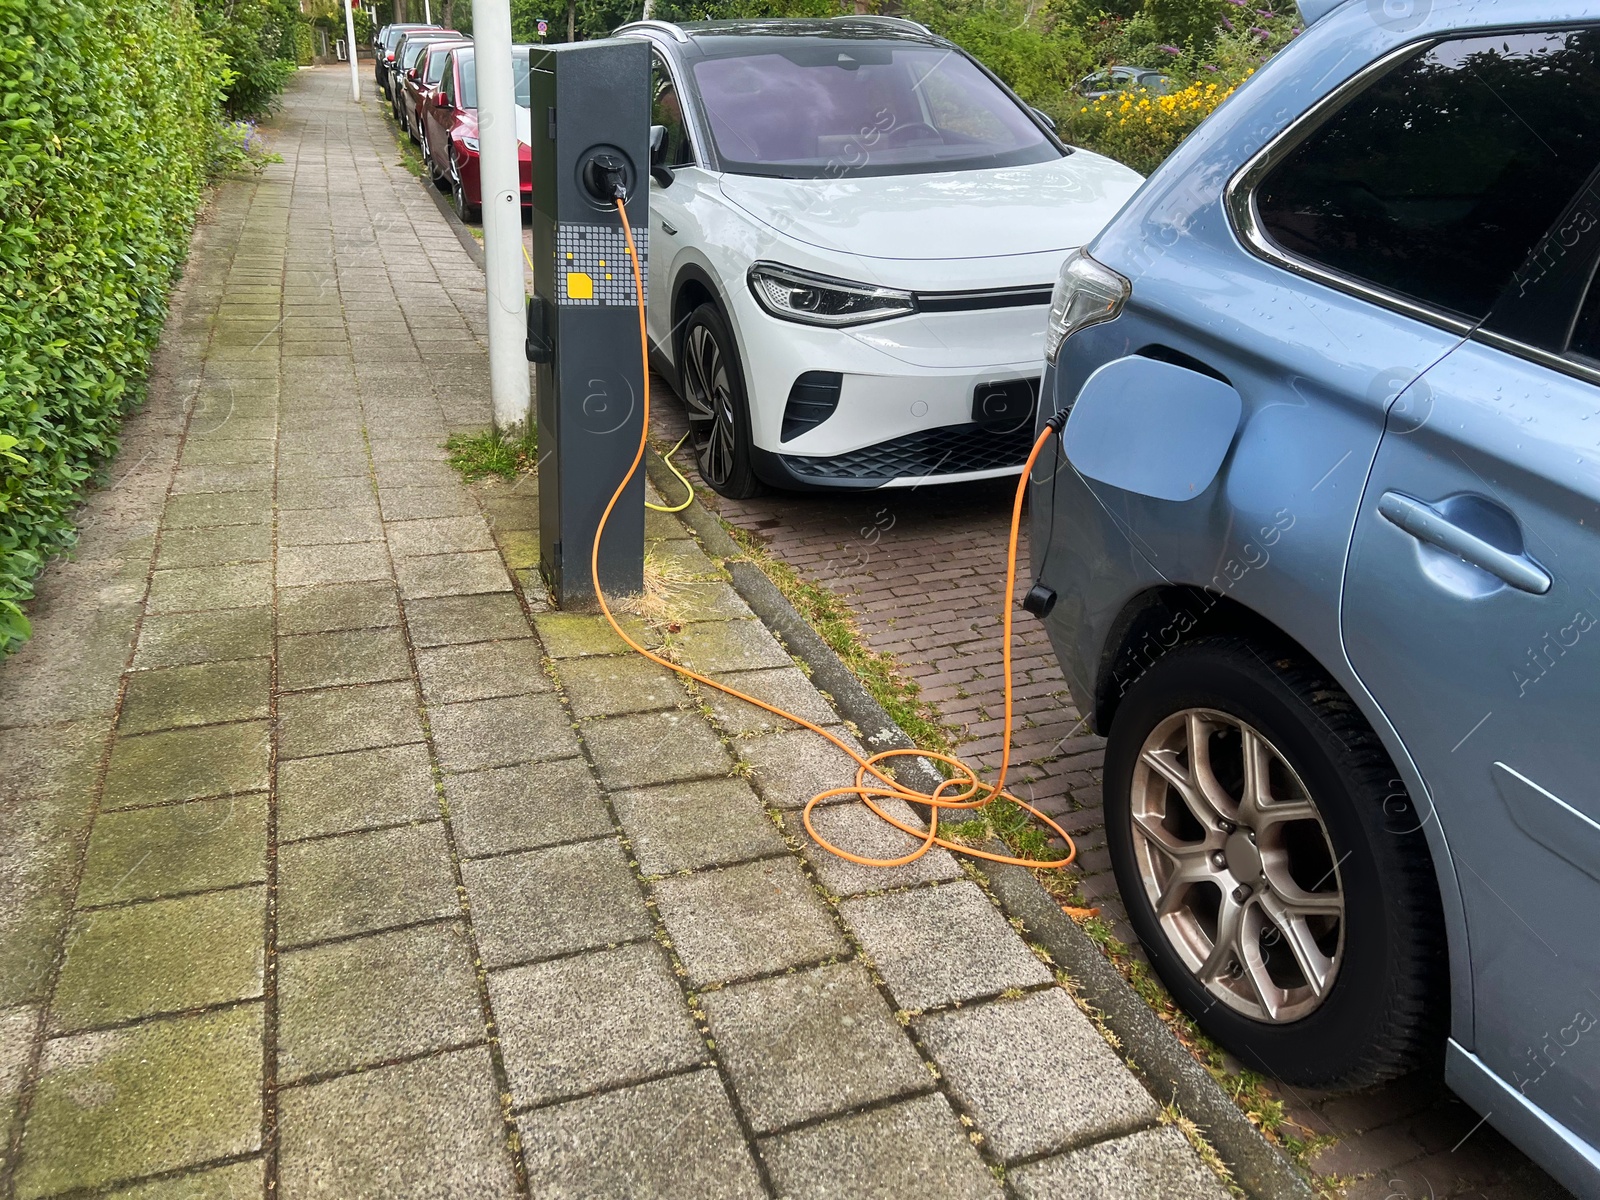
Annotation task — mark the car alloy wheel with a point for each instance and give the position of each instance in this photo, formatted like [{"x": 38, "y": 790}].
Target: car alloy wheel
[
  {"x": 1236, "y": 861},
  {"x": 1272, "y": 865},
  {"x": 710, "y": 401},
  {"x": 458, "y": 192}
]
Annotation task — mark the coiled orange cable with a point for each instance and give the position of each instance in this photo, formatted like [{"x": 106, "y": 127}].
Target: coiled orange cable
[{"x": 965, "y": 790}]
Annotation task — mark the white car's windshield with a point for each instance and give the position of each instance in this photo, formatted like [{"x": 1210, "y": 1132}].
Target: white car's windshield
[{"x": 833, "y": 108}]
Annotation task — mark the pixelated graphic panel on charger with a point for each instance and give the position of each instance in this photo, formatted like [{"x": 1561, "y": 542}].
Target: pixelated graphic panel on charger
[{"x": 592, "y": 265}]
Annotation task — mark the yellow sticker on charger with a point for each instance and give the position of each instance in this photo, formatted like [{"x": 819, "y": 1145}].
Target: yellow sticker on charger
[{"x": 579, "y": 286}]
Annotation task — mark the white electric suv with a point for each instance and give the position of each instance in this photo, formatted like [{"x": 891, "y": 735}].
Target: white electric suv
[{"x": 854, "y": 233}]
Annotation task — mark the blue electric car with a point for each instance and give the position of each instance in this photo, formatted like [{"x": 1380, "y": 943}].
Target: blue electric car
[{"x": 1324, "y": 543}]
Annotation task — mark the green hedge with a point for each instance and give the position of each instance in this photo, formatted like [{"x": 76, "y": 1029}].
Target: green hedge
[{"x": 108, "y": 125}]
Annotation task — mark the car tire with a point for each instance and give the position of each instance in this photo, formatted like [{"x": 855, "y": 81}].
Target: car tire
[
  {"x": 1248, "y": 940},
  {"x": 458, "y": 194},
  {"x": 719, "y": 409},
  {"x": 439, "y": 179}
]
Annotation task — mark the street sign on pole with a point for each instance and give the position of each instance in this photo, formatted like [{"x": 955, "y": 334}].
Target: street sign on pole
[
  {"x": 544, "y": 27},
  {"x": 500, "y": 179},
  {"x": 350, "y": 48}
]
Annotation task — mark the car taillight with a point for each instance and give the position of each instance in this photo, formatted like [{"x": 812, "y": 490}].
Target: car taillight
[{"x": 1086, "y": 293}]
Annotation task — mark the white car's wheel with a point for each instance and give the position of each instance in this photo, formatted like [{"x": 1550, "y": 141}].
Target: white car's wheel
[{"x": 719, "y": 413}]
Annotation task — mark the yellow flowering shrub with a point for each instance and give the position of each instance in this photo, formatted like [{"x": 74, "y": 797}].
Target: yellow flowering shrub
[{"x": 1141, "y": 129}]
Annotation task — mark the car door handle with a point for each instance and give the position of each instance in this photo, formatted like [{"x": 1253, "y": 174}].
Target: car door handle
[
  {"x": 1428, "y": 524},
  {"x": 668, "y": 227}
]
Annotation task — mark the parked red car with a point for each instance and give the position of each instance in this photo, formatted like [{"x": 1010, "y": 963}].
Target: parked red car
[
  {"x": 407, "y": 55},
  {"x": 421, "y": 76},
  {"x": 450, "y": 130}
]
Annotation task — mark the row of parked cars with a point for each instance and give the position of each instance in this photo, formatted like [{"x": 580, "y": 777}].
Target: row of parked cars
[
  {"x": 429, "y": 76},
  {"x": 1319, "y": 555}
]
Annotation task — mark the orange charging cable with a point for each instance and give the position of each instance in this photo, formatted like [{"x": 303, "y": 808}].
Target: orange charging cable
[{"x": 965, "y": 790}]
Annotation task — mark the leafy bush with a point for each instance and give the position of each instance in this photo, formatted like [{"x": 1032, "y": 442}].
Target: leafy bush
[
  {"x": 258, "y": 41},
  {"x": 1140, "y": 129},
  {"x": 364, "y": 26},
  {"x": 107, "y": 129}
]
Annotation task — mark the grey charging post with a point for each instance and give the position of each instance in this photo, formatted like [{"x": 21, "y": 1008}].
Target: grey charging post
[{"x": 591, "y": 132}]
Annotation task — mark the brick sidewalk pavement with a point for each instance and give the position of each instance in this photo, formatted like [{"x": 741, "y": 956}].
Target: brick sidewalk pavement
[{"x": 334, "y": 865}]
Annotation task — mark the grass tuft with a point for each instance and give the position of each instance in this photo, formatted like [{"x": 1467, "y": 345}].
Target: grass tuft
[{"x": 476, "y": 455}]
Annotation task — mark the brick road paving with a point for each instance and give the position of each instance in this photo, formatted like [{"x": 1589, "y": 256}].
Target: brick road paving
[
  {"x": 922, "y": 569},
  {"x": 336, "y": 865}
]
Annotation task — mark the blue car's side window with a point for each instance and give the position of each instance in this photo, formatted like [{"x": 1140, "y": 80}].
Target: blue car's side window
[{"x": 1436, "y": 181}]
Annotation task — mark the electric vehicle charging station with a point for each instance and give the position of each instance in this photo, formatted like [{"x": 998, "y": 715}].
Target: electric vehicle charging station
[{"x": 590, "y": 134}]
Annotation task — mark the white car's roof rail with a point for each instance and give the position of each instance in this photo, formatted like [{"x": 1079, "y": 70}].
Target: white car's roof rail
[{"x": 666, "y": 27}]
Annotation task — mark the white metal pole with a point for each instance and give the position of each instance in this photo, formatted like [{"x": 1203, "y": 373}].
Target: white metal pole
[
  {"x": 427, "y": 11},
  {"x": 502, "y": 214},
  {"x": 350, "y": 50}
]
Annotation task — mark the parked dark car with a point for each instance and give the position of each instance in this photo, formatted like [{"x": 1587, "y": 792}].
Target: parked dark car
[
  {"x": 1116, "y": 80},
  {"x": 383, "y": 52},
  {"x": 450, "y": 131}
]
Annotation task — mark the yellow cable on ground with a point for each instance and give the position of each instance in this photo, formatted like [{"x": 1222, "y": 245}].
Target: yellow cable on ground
[
  {"x": 667, "y": 457},
  {"x": 965, "y": 791}
]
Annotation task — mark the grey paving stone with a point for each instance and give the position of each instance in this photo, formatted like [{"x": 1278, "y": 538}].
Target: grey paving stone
[
  {"x": 374, "y": 999},
  {"x": 684, "y": 826},
  {"x": 1035, "y": 1074},
  {"x": 152, "y": 1097},
  {"x": 910, "y": 1151},
  {"x": 299, "y": 566},
  {"x": 186, "y": 639},
  {"x": 1157, "y": 1164},
  {"x": 574, "y": 635},
  {"x": 793, "y": 765},
  {"x": 363, "y": 789},
  {"x": 748, "y": 920},
  {"x": 856, "y": 828},
  {"x": 785, "y": 687},
  {"x": 682, "y": 555},
  {"x": 313, "y": 660},
  {"x": 187, "y": 764},
  {"x": 414, "y": 474},
  {"x": 811, "y": 1044},
  {"x": 525, "y": 806},
  {"x": 482, "y": 671},
  {"x": 329, "y": 526},
  {"x": 18, "y": 1028},
  {"x": 542, "y": 903},
  {"x": 670, "y": 1139},
  {"x": 499, "y": 733},
  {"x": 236, "y": 1181},
  {"x": 907, "y": 934},
  {"x": 206, "y": 694},
  {"x": 153, "y": 852},
  {"x": 312, "y": 492},
  {"x": 452, "y": 620},
  {"x": 651, "y": 748},
  {"x": 232, "y": 477},
  {"x": 163, "y": 956},
  {"x": 591, "y": 1021},
  {"x": 425, "y": 1130},
  {"x": 614, "y": 685},
  {"x": 714, "y": 646},
  {"x": 438, "y": 535},
  {"x": 707, "y": 600},
  {"x": 221, "y": 508},
  {"x": 416, "y": 503},
  {"x": 214, "y": 546},
  {"x": 452, "y": 575},
  {"x": 335, "y": 606},
  {"x": 353, "y": 718},
  {"x": 361, "y": 882},
  {"x": 193, "y": 589}
]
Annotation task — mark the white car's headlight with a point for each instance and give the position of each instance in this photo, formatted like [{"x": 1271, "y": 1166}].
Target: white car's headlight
[
  {"x": 798, "y": 295},
  {"x": 1086, "y": 294}
]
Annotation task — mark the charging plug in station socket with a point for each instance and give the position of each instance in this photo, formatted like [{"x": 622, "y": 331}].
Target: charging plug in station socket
[{"x": 607, "y": 175}]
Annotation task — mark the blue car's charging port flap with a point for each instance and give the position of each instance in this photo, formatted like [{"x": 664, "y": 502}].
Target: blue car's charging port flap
[{"x": 1152, "y": 428}]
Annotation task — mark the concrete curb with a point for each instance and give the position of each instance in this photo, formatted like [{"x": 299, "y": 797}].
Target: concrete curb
[{"x": 1148, "y": 1044}]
